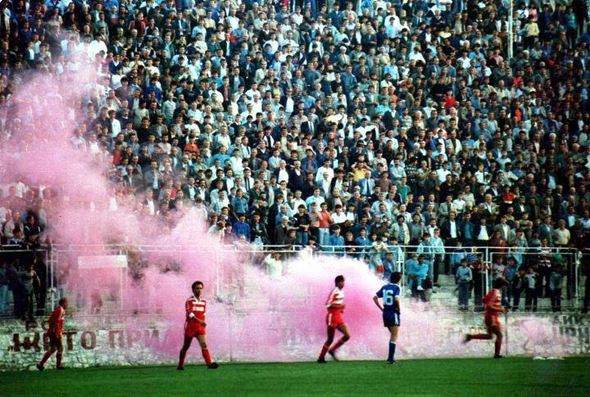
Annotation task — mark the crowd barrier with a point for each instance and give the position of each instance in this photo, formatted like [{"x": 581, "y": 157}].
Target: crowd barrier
[{"x": 57, "y": 257}]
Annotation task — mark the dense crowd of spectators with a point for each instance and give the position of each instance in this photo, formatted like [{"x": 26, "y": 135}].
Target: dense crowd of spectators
[{"x": 348, "y": 126}]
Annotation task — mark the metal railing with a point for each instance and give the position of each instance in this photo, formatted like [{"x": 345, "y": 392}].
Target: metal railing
[{"x": 59, "y": 256}]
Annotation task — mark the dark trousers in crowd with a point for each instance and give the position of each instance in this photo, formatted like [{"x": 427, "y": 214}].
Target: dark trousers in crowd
[
  {"x": 436, "y": 267},
  {"x": 41, "y": 298},
  {"x": 478, "y": 283},
  {"x": 529, "y": 41},
  {"x": 464, "y": 294},
  {"x": 19, "y": 297},
  {"x": 451, "y": 242},
  {"x": 29, "y": 303},
  {"x": 302, "y": 238},
  {"x": 505, "y": 296},
  {"x": 515, "y": 295},
  {"x": 530, "y": 300},
  {"x": 543, "y": 286},
  {"x": 418, "y": 294},
  {"x": 556, "y": 300},
  {"x": 586, "y": 295},
  {"x": 571, "y": 280},
  {"x": 482, "y": 243},
  {"x": 315, "y": 233}
]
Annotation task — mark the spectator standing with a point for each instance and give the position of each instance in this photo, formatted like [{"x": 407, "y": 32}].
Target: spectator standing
[
  {"x": 464, "y": 278},
  {"x": 555, "y": 284},
  {"x": 418, "y": 276},
  {"x": 28, "y": 280},
  {"x": 336, "y": 240},
  {"x": 438, "y": 250},
  {"x": 518, "y": 285},
  {"x": 3, "y": 289},
  {"x": 531, "y": 281},
  {"x": 302, "y": 222}
]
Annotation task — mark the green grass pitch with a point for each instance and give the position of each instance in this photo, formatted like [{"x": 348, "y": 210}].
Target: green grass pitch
[{"x": 435, "y": 377}]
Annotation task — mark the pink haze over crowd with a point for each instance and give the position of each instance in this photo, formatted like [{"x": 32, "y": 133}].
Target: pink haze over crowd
[{"x": 274, "y": 320}]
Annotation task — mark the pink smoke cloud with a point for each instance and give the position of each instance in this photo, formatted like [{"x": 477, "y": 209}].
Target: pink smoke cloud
[{"x": 269, "y": 320}]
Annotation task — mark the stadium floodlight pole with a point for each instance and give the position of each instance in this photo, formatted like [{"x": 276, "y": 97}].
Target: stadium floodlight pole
[{"x": 510, "y": 30}]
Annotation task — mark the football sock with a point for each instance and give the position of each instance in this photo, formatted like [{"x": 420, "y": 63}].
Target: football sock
[
  {"x": 206, "y": 356},
  {"x": 181, "y": 358},
  {"x": 481, "y": 336},
  {"x": 391, "y": 355},
  {"x": 498, "y": 346},
  {"x": 324, "y": 351},
  {"x": 59, "y": 356},
  {"x": 340, "y": 342},
  {"x": 48, "y": 354}
]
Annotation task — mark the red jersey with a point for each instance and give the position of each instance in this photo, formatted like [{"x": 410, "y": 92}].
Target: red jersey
[
  {"x": 195, "y": 309},
  {"x": 336, "y": 297},
  {"x": 56, "y": 322},
  {"x": 335, "y": 319},
  {"x": 493, "y": 307},
  {"x": 493, "y": 303}
]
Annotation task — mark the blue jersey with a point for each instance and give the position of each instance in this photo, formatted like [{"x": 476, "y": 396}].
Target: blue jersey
[{"x": 389, "y": 293}]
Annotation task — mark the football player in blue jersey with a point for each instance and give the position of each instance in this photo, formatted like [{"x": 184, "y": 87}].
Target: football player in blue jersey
[{"x": 390, "y": 293}]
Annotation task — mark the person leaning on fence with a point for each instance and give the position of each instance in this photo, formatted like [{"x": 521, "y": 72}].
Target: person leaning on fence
[
  {"x": 544, "y": 269},
  {"x": 378, "y": 248},
  {"x": 389, "y": 265},
  {"x": 555, "y": 284},
  {"x": 336, "y": 241},
  {"x": 438, "y": 249},
  {"x": 274, "y": 265},
  {"x": 479, "y": 270},
  {"x": 363, "y": 242},
  {"x": 351, "y": 248},
  {"x": 425, "y": 248},
  {"x": 418, "y": 276},
  {"x": 456, "y": 256}
]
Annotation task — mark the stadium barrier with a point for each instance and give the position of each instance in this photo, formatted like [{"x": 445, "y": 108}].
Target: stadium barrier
[
  {"x": 92, "y": 341},
  {"x": 117, "y": 337},
  {"x": 58, "y": 257}
]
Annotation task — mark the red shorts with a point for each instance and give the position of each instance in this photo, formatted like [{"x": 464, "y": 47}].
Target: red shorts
[
  {"x": 194, "y": 329},
  {"x": 492, "y": 320},
  {"x": 56, "y": 342},
  {"x": 335, "y": 319}
]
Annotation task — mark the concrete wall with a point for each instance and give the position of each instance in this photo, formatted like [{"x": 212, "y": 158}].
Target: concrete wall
[{"x": 105, "y": 341}]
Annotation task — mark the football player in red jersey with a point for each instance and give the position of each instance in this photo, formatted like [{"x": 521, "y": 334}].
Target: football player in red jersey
[
  {"x": 55, "y": 333},
  {"x": 335, "y": 321},
  {"x": 493, "y": 308},
  {"x": 195, "y": 326}
]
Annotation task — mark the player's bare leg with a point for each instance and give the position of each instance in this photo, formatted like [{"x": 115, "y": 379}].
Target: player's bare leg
[
  {"x": 185, "y": 346},
  {"x": 326, "y": 347},
  {"x": 48, "y": 354},
  {"x": 496, "y": 330},
  {"x": 205, "y": 351},
  {"x": 393, "y": 330},
  {"x": 493, "y": 330},
  {"x": 59, "y": 356},
  {"x": 470, "y": 337},
  {"x": 345, "y": 337}
]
